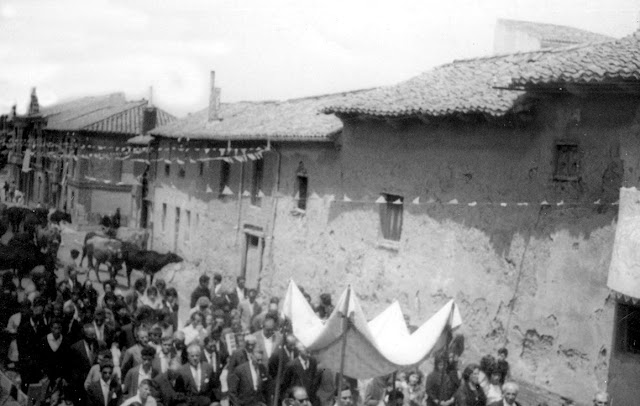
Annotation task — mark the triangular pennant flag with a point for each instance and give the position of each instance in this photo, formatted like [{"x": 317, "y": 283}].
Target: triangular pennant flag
[
  {"x": 107, "y": 181},
  {"x": 544, "y": 203},
  {"x": 239, "y": 158},
  {"x": 523, "y": 204},
  {"x": 503, "y": 204},
  {"x": 180, "y": 161},
  {"x": 252, "y": 157},
  {"x": 167, "y": 161},
  {"x": 314, "y": 195},
  {"x": 206, "y": 150},
  {"x": 260, "y": 194},
  {"x": 228, "y": 160},
  {"x": 399, "y": 201},
  {"x": 221, "y": 150},
  {"x": 380, "y": 200},
  {"x": 331, "y": 198},
  {"x": 472, "y": 204},
  {"x": 297, "y": 196},
  {"x": 193, "y": 161},
  {"x": 346, "y": 199},
  {"x": 227, "y": 191},
  {"x": 209, "y": 190},
  {"x": 615, "y": 203},
  {"x": 597, "y": 202},
  {"x": 454, "y": 201},
  {"x": 120, "y": 183},
  {"x": 560, "y": 203},
  {"x": 431, "y": 200},
  {"x": 246, "y": 193},
  {"x": 416, "y": 200}
]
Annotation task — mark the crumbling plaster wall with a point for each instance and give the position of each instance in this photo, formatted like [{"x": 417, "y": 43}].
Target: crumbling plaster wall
[
  {"x": 533, "y": 277},
  {"x": 530, "y": 277}
]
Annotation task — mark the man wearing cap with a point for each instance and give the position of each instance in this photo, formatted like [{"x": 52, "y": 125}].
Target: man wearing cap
[
  {"x": 201, "y": 290},
  {"x": 241, "y": 355}
]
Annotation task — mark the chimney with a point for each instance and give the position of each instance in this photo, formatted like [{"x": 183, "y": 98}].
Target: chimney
[
  {"x": 149, "y": 119},
  {"x": 214, "y": 99}
]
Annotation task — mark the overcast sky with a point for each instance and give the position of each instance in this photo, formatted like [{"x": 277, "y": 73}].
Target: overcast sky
[{"x": 260, "y": 49}]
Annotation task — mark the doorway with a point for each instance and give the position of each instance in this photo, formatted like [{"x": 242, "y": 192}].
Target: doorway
[{"x": 252, "y": 259}]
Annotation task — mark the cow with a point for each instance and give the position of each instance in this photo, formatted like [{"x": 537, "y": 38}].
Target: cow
[
  {"x": 149, "y": 262},
  {"x": 106, "y": 251},
  {"x": 22, "y": 255},
  {"x": 137, "y": 236},
  {"x": 57, "y": 216},
  {"x": 15, "y": 216},
  {"x": 87, "y": 237}
]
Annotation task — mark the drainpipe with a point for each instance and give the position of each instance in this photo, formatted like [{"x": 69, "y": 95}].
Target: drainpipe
[
  {"x": 239, "y": 199},
  {"x": 274, "y": 207}
]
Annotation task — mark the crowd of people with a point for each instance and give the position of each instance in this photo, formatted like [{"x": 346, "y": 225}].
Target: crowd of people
[{"x": 70, "y": 345}]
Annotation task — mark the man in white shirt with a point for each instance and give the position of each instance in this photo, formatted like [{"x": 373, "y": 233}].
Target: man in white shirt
[
  {"x": 139, "y": 373},
  {"x": 196, "y": 379},
  {"x": 166, "y": 356},
  {"x": 105, "y": 391},
  {"x": 268, "y": 339},
  {"x": 143, "y": 397}
]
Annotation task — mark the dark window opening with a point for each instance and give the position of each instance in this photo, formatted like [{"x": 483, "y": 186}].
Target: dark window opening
[
  {"x": 167, "y": 170},
  {"x": 201, "y": 169},
  {"x": 628, "y": 328},
  {"x": 302, "y": 192},
  {"x": 225, "y": 171},
  {"x": 256, "y": 182},
  {"x": 391, "y": 217},
  {"x": 567, "y": 162},
  {"x": 181, "y": 172}
]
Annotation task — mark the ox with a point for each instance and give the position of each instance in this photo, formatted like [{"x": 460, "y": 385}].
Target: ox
[
  {"x": 149, "y": 262},
  {"x": 105, "y": 251}
]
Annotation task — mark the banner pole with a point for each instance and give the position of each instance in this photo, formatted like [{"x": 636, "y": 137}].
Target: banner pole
[
  {"x": 345, "y": 328},
  {"x": 445, "y": 367},
  {"x": 276, "y": 394}
]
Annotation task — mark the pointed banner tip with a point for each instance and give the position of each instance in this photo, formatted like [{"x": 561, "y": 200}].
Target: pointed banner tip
[
  {"x": 454, "y": 201},
  {"x": 381, "y": 200},
  {"x": 416, "y": 200},
  {"x": 346, "y": 199}
]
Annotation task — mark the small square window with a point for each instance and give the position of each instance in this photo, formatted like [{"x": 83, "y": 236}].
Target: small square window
[
  {"x": 167, "y": 170},
  {"x": 628, "y": 328},
  {"x": 567, "y": 162},
  {"x": 181, "y": 172},
  {"x": 391, "y": 217}
]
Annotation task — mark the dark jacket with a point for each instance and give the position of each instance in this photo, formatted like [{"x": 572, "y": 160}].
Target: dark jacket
[
  {"x": 186, "y": 385},
  {"x": 466, "y": 397},
  {"x": 500, "y": 403},
  {"x": 241, "y": 386},
  {"x": 236, "y": 359},
  {"x": 96, "y": 398},
  {"x": 439, "y": 385},
  {"x": 296, "y": 375},
  {"x": 197, "y": 294},
  {"x": 81, "y": 363},
  {"x": 166, "y": 391},
  {"x": 54, "y": 363}
]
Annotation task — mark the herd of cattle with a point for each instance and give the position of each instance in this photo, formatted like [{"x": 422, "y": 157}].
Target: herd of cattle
[{"x": 36, "y": 239}]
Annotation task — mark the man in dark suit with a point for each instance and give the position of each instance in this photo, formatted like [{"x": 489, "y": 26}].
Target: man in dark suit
[
  {"x": 140, "y": 372},
  {"x": 282, "y": 356},
  {"x": 164, "y": 390},
  {"x": 509, "y": 395},
  {"x": 106, "y": 391},
  {"x": 238, "y": 294},
  {"x": 241, "y": 355},
  {"x": 268, "y": 339},
  {"x": 83, "y": 355},
  {"x": 211, "y": 356},
  {"x": 248, "y": 383},
  {"x": 166, "y": 356},
  {"x": 303, "y": 371},
  {"x": 31, "y": 332},
  {"x": 196, "y": 380}
]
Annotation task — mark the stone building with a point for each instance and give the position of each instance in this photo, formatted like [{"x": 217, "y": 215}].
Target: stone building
[
  {"x": 73, "y": 153},
  {"x": 475, "y": 180}
]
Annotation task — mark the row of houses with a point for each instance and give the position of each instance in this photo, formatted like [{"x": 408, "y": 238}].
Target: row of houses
[{"x": 493, "y": 181}]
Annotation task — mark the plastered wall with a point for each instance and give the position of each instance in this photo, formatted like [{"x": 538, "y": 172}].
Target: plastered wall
[{"x": 529, "y": 277}]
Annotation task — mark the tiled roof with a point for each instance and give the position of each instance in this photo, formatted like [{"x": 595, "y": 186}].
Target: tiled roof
[
  {"x": 553, "y": 35},
  {"x": 617, "y": 60},
  {"x": 292, "y": 120},
  {"x": 464, "y": 86},
  {"x": 111, "y": 113}
]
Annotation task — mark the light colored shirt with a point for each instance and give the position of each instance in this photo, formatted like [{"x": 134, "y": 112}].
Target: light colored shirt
[
  {"x": 254, "y": 375},
  {"x": 53, "y": 343},
  {"x": 142, "y": 375},
  {"x": 195, "y": 372},
  {"x": 268, "y": 345},
  {"x": 105, "y": 391},
  {"x": 150, "y": 401},
  {"x": 164, "y": 361},
  {"x": 211, "y": 359}
]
